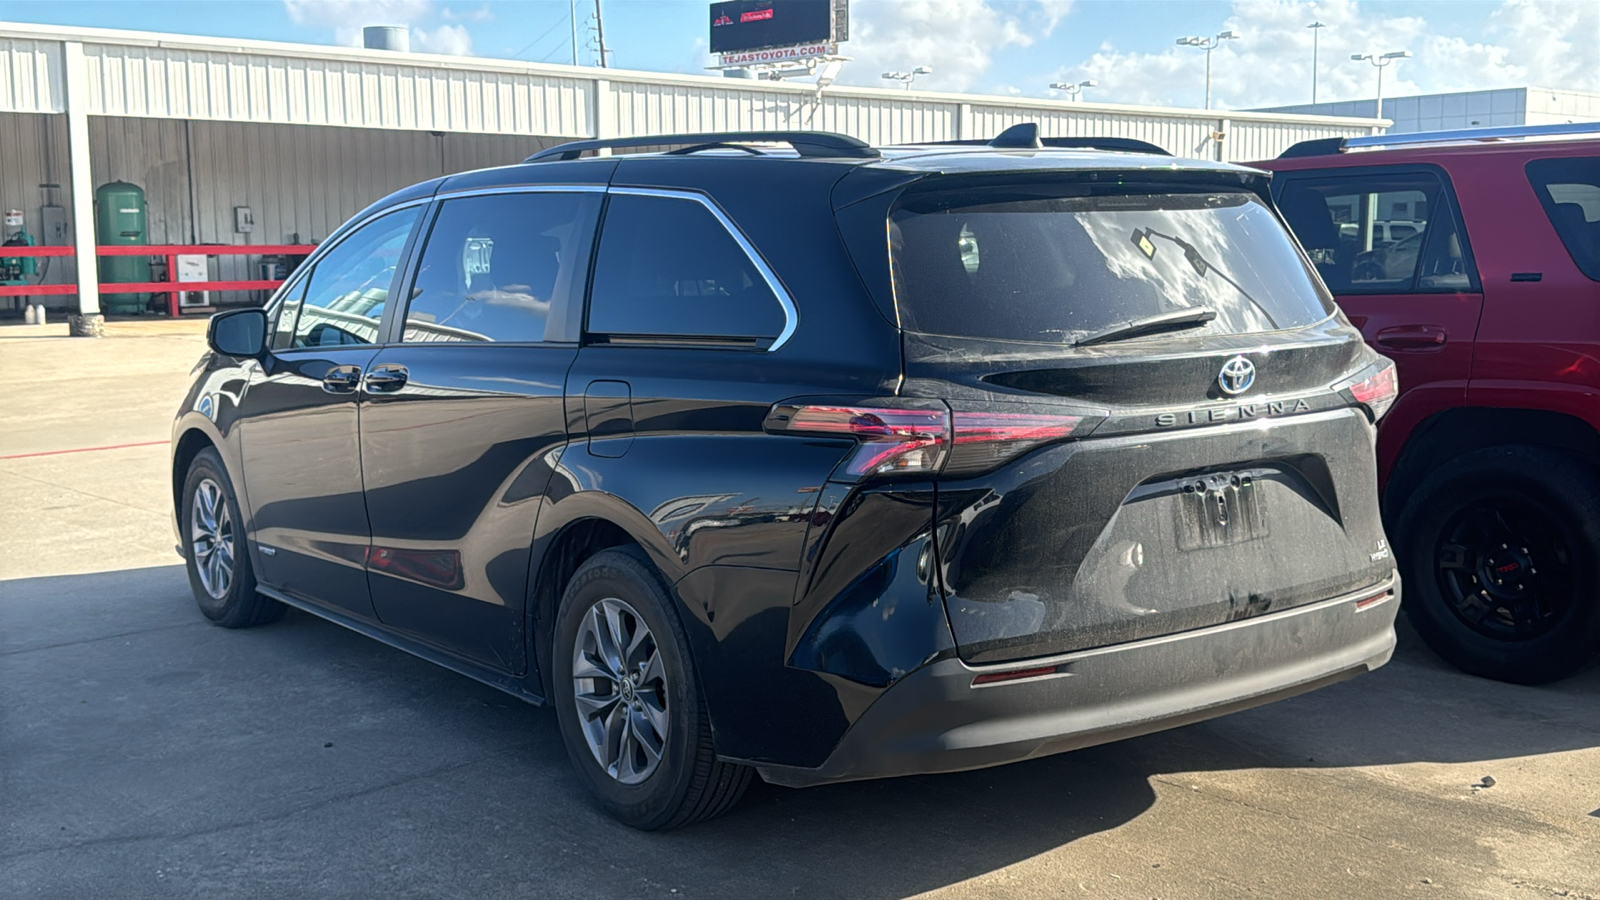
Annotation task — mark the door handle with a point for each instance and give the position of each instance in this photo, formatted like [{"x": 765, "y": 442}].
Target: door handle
[
  {"x": 385, "y": 379},
  {"x": 341, "y": 379},
  {"x": 1413, "y": 337}
]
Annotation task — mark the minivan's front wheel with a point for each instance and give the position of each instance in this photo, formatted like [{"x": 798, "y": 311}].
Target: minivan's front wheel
[
  {"x": 629, "y": 703},
  {"x": 1501, "y": 551},
  {"x": 220, "y": 575}
]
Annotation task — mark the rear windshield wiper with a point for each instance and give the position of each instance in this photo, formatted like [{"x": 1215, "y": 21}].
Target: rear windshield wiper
[
  {"x": 1176, "y": 320},
  {"x": 1202, "y": 265}
]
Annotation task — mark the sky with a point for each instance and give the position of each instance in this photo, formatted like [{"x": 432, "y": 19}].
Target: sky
[{"x": 1005, "y": 47}]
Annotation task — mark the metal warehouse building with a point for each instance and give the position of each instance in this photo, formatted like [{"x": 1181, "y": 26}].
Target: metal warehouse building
[
  {"x": 300, "y": 137},
  {"x": 1466, "y": 109}
]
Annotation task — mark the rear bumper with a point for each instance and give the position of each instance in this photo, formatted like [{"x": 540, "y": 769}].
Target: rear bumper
[{"x": 935, "y": 720}]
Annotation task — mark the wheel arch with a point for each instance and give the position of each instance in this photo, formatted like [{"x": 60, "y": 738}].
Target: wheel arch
[
  {"x": 188, "y": 445},
  {"x": 1453, "y": 432},
  {"x": 556, "y": 558}
]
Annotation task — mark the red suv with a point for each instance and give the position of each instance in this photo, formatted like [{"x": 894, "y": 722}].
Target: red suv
[{"x": 1472, "y": 258}]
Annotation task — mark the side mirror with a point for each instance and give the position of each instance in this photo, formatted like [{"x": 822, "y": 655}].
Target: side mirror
[{"x": 240, "y": 332}]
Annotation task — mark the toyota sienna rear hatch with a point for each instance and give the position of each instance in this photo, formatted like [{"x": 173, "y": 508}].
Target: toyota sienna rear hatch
[{"x": 1159, "y": 421}]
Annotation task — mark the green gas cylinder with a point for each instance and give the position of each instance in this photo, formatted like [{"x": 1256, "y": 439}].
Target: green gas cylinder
[{"x": 120, "y": 219}]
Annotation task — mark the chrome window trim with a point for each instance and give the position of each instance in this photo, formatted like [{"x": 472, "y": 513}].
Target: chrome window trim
[
  {"x": 523, "y": 189},
  {"x": 791, "y": 315}
]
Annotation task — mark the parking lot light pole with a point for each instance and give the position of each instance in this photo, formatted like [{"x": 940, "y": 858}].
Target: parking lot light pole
[
  {"x": 1208, "y": 44},
  {"x": 905, "y": 78},
  {"x": 1382, "y": 62},
  {"x": 1073, "y": 91},
  {"x": 1316, "y": 29}
]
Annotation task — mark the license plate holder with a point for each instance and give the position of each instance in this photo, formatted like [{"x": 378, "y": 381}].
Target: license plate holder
[{"x": 1221, "y": 509}]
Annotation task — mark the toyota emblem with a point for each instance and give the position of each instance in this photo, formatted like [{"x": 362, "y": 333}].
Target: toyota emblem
[{"x": 1236, "y": 376}]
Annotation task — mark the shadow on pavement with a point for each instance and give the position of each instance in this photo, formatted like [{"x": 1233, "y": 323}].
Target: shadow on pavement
[{"x": 144, "y": 752}]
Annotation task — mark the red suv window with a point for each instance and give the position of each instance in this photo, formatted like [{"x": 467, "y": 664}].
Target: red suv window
[
  {"x": 1570, "y": 191},
  {"x": 1369, "y": 233}
]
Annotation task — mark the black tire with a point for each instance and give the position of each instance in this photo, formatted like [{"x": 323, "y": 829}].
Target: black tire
[
  {"x": 238, "y": 605},
  {"x": 1473, "y": 540},
  {"x": 688, "y": 784}
]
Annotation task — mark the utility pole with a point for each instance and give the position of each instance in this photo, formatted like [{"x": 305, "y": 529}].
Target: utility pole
[
  {"x": 572, "y": 16},
  {"x": 1316, "y": 29},
  {"x": 600, "y": 32}
]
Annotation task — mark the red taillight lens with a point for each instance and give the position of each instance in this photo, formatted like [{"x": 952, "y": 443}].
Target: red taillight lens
[
  {"x": 924, "y": 441},
  {"x": 986, "y": 439},
  {"x": 1377, "y": 391},
  {"x": 893, "y": 441}
]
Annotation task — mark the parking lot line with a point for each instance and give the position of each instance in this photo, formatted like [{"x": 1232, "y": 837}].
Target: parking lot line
[{"x": 81, "y": 450}]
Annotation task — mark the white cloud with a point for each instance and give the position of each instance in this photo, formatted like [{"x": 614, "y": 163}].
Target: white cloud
[
  {"x": 348, "y": 17},
  {"x": 956, "y": 38},
  {"x": 481, "y": 14},
  {"x": 450, "y": 40},
  {"x": 1536, "y": 42},
  {"x": 356, "y": 13}
]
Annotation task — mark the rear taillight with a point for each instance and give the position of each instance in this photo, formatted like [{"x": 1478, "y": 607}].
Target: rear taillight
[
  {"x": 893, "y": 441},
  {"x": 926, "y": 439},
  {"x": 1377, "y": 392},
  {"x": 984, "y": 440}
]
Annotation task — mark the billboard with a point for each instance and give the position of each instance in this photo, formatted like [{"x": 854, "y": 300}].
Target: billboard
[{"x": 741, "y": 27}]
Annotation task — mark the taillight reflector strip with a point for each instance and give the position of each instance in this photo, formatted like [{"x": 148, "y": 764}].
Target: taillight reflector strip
[
  {"x": 1374, "y": 600},
  {"x": 1014, "y": 675}
]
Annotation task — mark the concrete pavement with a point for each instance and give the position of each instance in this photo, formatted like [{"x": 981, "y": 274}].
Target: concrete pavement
[{"x": 146, "y": 753}]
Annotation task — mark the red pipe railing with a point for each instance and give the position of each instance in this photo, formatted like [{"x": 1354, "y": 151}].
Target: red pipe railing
[{"x": 169, "y": 287}]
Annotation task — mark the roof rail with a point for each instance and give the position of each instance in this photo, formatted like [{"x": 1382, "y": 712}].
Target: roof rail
[
  {"x": 1327, "y": 146},
  {"x": 816, "y": 144},
  {"x": 1023, "y": 140}
]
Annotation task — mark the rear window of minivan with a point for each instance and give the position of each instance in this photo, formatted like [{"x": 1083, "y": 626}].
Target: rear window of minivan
[{"x": 1058, "y": 263}]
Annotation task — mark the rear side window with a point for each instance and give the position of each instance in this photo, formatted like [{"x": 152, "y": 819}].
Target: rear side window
[
  {"x": 668, "y": 268},
  {"x": 1058, "y": 269},
  {"x": 1378, "y": 234},
  {"x": 1391, "y": 233},
  {"x": 1570, "y": 192},
  {"x": 494, "y": 265}
]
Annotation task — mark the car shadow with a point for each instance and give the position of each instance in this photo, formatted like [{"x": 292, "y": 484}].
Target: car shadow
[{"x": 303, "y": 758}]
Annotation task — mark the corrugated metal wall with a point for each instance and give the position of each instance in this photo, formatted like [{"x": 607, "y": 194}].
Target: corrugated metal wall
[
  {"x": 630, "y": 108},
  {"x": 30, "y": 76},
  {"x": 300, "y": 181},
  {"x": 33, "y": 152},
  {"x": 179, "y": 83},
  {"x": 667, "y": 108}
]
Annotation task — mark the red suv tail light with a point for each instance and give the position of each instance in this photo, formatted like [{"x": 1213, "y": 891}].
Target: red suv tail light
[
  {"x": 923, "y": 440},
  {"x": 1377, "y": 392}
]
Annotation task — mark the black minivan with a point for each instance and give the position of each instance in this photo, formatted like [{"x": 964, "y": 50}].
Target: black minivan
[{"x": 779, "y": 453}]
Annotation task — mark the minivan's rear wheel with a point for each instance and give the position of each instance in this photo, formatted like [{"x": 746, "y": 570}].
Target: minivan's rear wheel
[
  {"x": 1501, "y": 552},
  {"x": 628, "y": 700},
  {"x": 220, "y": 575}
]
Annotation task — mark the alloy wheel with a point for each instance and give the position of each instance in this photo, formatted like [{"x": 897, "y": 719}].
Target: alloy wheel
[
  {"x": 619, "y": 684},
  {"x": 211, "y": 538},
  {"x": 1505, "y": 569}
]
